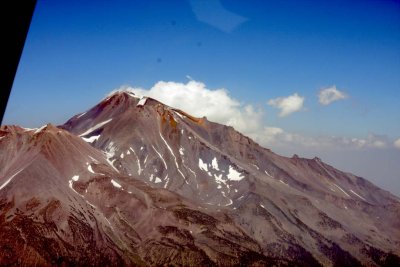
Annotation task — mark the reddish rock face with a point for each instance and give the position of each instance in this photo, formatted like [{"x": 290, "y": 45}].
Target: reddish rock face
[{"x": 135, "y": 182}]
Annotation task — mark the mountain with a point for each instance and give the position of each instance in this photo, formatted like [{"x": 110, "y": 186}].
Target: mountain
[{"x": 132, "y": 181}]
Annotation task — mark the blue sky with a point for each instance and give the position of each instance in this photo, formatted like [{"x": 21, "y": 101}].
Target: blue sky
[{"x": 78, "y": 51}]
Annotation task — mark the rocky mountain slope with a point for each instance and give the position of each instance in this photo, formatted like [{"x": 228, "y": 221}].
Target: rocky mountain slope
[{"x": 132, "y": 181}]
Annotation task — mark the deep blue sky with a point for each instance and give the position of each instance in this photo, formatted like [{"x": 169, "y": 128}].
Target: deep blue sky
[{"x": 77, "y": 51}]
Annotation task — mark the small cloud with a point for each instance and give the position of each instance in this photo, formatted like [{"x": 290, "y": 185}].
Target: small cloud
[
  {"x": 397, "y": 143},
  {"x": 287, "y": 105},
  {"x": 331, "y": 94}
]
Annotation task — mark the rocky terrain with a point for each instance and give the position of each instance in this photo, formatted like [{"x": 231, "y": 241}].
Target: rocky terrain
[{"x": 133, "y": 182}]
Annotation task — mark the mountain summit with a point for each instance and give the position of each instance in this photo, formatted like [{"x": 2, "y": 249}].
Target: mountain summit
[{"x": 136, "y": 182}]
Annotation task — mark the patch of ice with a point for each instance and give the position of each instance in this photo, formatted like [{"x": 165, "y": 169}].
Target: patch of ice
[
  {"x": 283, "y": 182},
  {"x": 91, "y": 139},
  {"x": 165, "y": 164},
  {"x": 28, "y": 129},
  {"x": 9, "y": 179},
  {"x": 176, "y": 162},
  {"x": 203, "y": 166},
  {"x": 75, "y": 178},
  {"x": 142, "y": 102},
  {"x": 94, "y": 160},
  {"x": 97, "y": 126},
  {"x": 111, "y": 164},
  {"x": 180, "y": 115},
  {"x": 214, "y": 163},
  {"x": 70, "y": 182},
  {"x": 90, "y": 169},
  {"x": 218, "y": 179},
  {"x": 341, "y": 190},
  {"x": 40, "y": 129},
  {"x": 357, "y": 195},
  {"x": 115, "y": 184},
  {"x": 234, "y": 175},
  {"x": 137, "y": 160},
  {"x": 80, "y": 115},
  {"x": 110, "y": 150}
]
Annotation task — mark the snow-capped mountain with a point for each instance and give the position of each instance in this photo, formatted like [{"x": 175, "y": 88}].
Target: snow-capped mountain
[{"x": 142, "y": 183}]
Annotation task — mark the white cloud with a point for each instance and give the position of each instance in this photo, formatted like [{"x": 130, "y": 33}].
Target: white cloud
[
  {"x": 397, "y": 143},
  {"x": 331, "y": 94},
  {"x": 218, "y": 106},
  {"x": 196, "y": 99},
  {"x": 287, "y": 105}
]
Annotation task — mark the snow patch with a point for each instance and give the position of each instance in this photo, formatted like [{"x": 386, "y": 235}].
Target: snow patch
[
  {"x": 80, "y": 115},
  {"x": 40, "y": 129},
  {"x": 203, "y": 166},
  {"x": 138, "y": 160},
  {"x": 122, "y": 155},
  {"x": 357, "y": 195},
  {"x": 158, "y": 180},
  {"x": 181, "y": 150},
  {"x": 142, "y": 102},
  {"x": 283, "y": 182},
  {"x": 165, "y": 164},
  {"x": 255, "y": 166},
  {"x": 115, "y": 184},
  {"x": 90, "y": 169},
  {"x": 110, "y": 149},
  {"x": 341, "y": 190},
  {"x": 9, "y": 179},
  {"x": 128, "y": 152},
  {"x": 91, "y": 139},
  {"x": 97, "y": 126},
  {"x": 94, "y": 160},
  {"x": 75, "y": 178},
  {"x": 180, "y": 115},
  {"x": 234, "y": 175},
  {"x": 176, "y": 163},
  {"x": 214, "y": 163}
]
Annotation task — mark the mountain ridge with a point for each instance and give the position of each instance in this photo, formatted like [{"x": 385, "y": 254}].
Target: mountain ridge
[{"x": 294, "y": 211}]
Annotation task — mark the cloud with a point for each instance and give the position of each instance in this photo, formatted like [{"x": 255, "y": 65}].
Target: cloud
[
  {"x": 397, "y": 143},
  {"x": 219, "y": 106},
  {"x": 287, "y": 105},
  {"x": 196, "y": 99},
  {"x": 277, "y": 137},
  {"x": 331, "y": 94}
]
